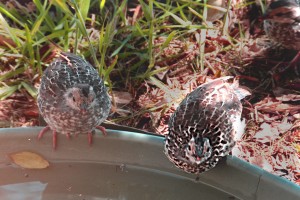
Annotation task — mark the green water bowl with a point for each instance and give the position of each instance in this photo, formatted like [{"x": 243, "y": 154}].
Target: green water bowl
[{"x": 125, "y": 165}]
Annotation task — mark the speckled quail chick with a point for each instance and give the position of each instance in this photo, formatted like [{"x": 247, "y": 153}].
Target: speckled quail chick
[
  {"x": 215, "y": 14},
  {"x": 72, "y": 97},
  {"x": 205, "y": 125},
  {"x": 282, "y": 25}
]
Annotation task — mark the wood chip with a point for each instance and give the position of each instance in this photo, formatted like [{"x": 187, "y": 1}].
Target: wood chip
[{"x": 122, "y": 97}]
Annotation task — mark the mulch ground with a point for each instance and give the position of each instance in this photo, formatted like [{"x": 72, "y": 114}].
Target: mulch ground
[{"x": 272, "y": 137}]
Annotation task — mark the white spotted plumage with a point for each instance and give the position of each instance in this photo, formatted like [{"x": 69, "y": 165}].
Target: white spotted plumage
[
  {"x": 72, "y": 97},
  {"x": 202, "y": 129},
  {"x": 282, "y": 23}
]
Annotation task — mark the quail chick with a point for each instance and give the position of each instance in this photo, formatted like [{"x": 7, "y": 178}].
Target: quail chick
[
  {"x": 214, "y": 14},
  {"x": 282, "y": 25},
  {"x": 72, "y": 97},
  {"x": 205, "y": 125}
]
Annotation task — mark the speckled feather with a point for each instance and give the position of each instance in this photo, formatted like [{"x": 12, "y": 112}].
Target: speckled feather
[
  {"x": 282, "y": 23},
  {"x": 211, "y": 112},
  {"x": 61, "y": 75}
]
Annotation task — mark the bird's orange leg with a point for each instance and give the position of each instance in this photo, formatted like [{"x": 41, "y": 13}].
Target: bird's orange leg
[
  {"x": 102, "y": 129},
  {"x": 90, "y": 138},
  {"x": 54, "y": 139},
  {"x": 90, "y": 134},
  {"x": 54, "y": 136},
  {"x": 43, "y": 131},
  {"x": 68, "y": 136}
]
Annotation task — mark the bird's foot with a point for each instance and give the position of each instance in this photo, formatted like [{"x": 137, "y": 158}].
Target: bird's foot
[
  {"x": 102, "y": 129},
  {"x": 90, "y": 138},
  {"x": 54, "y": 136},
  {"x": 90, "y": 134},
  {"x": 54, "y": 139},
  {"x": 43, "y": 131},
  {"x": 68, "y": 136}
]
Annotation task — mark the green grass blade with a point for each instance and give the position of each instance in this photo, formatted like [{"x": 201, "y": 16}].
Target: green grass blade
[
  {"x": 37, "y": 23},
  {"x": 8, "y": 14},
  {"x": 146, "y": 9},
  {"x": 81, "y": 25},
  {"x": 5, "y": 27},
  {"x": 30, "y": 89},
  {"x": 63, "y": 6},
  {"x": 196, "y": 13},
  {"x": 42, "y": 10},
  {"x": 156, "y": 71},
  {"x": 6, "y": 91},
  {"x": 53, "y": 35},
  {"x": 110, "y": 68},
  {"x": 84, "y": 6},
  {"x": 101, "y": 38},
  {"x": 102, "y": 4},
  {"x": 121, "y": 46},
  {"x": 151, "y": 36},
  {"x": 11, "y": 74},
  {"x": 168, "y": 40},
  {"x": 28, "y": 45}
]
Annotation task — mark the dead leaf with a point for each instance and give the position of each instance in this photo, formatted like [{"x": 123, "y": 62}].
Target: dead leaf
[
  {"x": 261, "y": 162},
  {"x": 29, "y": 160},
  {"x": 283, "y": 126},
  {"x": 267, "y": 133},
  {"x": 297, "y": 115},
  {"x": 122, "y": 97},
  {"x": 272, "y": 105},
  {"x": 283, "y": 94},
  {"x": 4, "y": 41}
]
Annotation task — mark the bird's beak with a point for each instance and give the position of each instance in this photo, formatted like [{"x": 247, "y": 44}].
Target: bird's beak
[{"x": 83, "y": 108}]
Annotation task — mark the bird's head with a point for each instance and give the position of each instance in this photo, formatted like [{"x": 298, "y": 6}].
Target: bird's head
[
  {"x": 283, "y": 11},
  {"x": 81, "y": 97},
  {"x": 198, "y": 150}
]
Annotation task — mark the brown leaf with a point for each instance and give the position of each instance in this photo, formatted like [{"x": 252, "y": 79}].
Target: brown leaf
[
  {"x": 4, "y": 41},
  {"x": 29, "y": 160},
  {"x": 283, "y": 94},
  {"x": 271, "y": 105},
  {"x": 266, "y": 133},
  {"x": 262, "y": 162},
  {"x": 122, "y": 97}
]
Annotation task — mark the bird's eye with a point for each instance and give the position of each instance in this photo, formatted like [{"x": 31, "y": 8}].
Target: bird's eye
[{"x": 189, "y": 148}]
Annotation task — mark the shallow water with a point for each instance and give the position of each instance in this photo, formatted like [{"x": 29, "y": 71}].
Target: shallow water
[{"x": 97, "y": 181}]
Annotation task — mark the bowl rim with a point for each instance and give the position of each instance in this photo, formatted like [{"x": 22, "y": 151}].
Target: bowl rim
[{"x": 125, "y": 145}]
